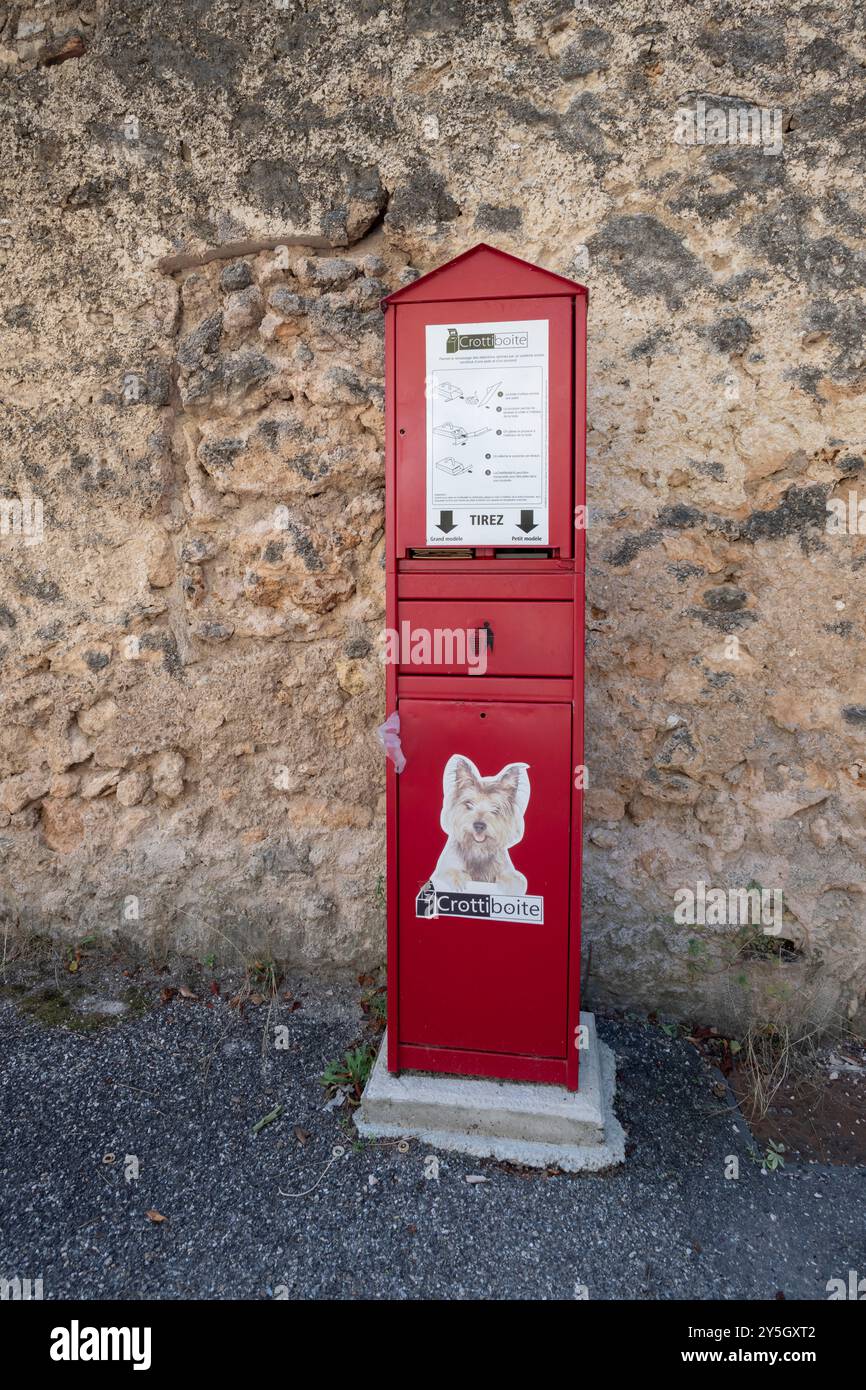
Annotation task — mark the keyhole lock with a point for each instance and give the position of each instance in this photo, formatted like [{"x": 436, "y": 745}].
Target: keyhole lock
[{"x": 486, "y": 628}]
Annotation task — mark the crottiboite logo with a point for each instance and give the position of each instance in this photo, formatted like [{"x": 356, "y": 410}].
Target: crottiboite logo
[{"x": 471, "y": 342}]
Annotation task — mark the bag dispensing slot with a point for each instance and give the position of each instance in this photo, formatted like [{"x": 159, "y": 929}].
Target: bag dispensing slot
[
  {"x": 442, "y": 553},
  {"x": 525, "y": 553},
  {"x": 472, "y": 552}
]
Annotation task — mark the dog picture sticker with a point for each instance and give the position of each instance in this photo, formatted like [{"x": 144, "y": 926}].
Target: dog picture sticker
[
  {"x": 482, "y": 818},
  {"x": 487, "y": 433}
]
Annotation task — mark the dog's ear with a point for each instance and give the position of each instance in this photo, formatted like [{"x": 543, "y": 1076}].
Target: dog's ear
[
  {"x": 514, "y": 781},
  {"x": 460, "y": 775},
  {"x": 465, "y": 774}
]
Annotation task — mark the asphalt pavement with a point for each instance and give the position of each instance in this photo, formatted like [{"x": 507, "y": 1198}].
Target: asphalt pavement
[{"x": 129, "y": 1169}]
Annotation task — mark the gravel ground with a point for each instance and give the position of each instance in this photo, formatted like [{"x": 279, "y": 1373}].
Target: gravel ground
[{"x": 179, "y": 1086}]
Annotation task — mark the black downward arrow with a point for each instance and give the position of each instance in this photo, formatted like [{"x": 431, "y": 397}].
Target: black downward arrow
[
  {"x": 447, "y": 522},
  {"x": 526, "y": 522}
]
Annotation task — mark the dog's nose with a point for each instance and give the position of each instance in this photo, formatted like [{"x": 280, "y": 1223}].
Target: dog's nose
[{"x": 478, "y": 826}]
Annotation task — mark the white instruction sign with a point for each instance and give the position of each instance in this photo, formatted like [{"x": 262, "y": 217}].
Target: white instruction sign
[{"x": 487, "y": 433}]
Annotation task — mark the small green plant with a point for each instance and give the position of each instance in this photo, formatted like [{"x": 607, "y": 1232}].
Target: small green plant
[
  {"x": 381, "y": 897},
  {"x": 375, "y": 1006},
  {"x": 210, "y": 960},
  {"x": 772, "y": 1159},
  {"x": 350, "y": 1073}
]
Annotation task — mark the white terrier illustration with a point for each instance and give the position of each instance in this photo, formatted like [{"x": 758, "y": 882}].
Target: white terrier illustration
[{"x": 483, "y": 818}]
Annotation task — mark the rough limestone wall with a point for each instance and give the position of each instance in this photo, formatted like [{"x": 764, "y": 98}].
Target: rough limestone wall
[{"x": 201, "y": 206}]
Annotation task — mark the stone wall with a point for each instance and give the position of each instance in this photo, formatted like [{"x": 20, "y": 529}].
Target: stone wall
[{"x": 201, "y": 206}]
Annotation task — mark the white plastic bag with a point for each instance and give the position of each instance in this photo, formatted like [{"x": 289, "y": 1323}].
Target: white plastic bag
[{"x": 389, "y": 737}]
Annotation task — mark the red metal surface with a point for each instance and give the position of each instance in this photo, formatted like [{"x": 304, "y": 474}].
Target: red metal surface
[
  {"x": 580, "y": 427},
  {"x": 487, "y": 986},
  {"x": 391, "y": 690},
  {"x": 458, "y": 1062},
  {"x": 553, "y": 691},
  {"x": 576, "y": 848},
  {"x": 454, "y": 583},
  {"x": 496, "y": 638},
  {"x": 487, "y": 271},
  {"x": 466, "y": 994}
]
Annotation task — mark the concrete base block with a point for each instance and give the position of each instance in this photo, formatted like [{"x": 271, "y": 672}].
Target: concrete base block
[{"x": 513, "y": 1121}]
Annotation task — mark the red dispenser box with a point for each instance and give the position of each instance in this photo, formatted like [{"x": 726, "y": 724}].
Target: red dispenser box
[{"x": 485, "y": 547}]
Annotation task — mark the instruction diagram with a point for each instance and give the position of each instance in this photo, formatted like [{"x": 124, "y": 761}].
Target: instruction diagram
[
  {"x": 452, "y": 467},
  {"x": 477, "y": 399},
  {"x": 447, "y": 391},
  {"x": 456, "y": 433},
  {"x": 487, "y": 396}
]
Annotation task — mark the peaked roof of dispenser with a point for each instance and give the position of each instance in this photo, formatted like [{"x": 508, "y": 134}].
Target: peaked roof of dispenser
[{"x": 505, "y": 276}]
